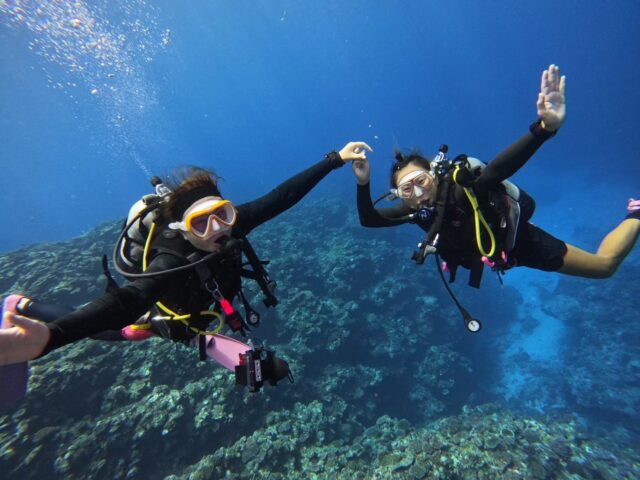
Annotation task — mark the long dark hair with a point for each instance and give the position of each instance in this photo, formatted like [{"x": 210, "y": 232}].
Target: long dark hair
[
  {"x": 402, "y": 161},
  {"x": 188, "y": 184}
]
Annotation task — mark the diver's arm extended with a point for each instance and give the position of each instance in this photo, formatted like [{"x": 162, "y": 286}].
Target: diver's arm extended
[
  {"x": 551, "y": 109},
  {"x": 284, "y": 196},
  {"x": 290, "y": 192},
  {"x": 25, "y": 338},
  {"x": 372, "y": 217},
  {"x": 511, "y": 159},
  {"x": 114, "y": 310}
]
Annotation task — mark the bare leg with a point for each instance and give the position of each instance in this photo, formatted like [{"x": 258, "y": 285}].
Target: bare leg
[{"x": 612, "y": 251}]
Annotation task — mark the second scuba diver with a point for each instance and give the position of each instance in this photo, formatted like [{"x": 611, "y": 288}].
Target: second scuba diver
[
  {"x": 181, "y": 251},
  {"x": 474, "y": 217}
]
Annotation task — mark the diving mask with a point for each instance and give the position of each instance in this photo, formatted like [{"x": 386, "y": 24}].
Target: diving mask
[
  {"x": 414, "y": 184},
  {"x": 207, "y": 218}
]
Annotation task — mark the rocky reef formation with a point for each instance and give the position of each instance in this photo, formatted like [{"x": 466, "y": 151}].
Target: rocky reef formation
[
  {"x": 596, "y": 371},
  {"x": 387, "y": 381},
  {"x": 604, "y": 346},
  {"x": 486, "y": 442}
]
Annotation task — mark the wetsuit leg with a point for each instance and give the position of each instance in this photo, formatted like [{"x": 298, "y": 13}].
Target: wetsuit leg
[{"x": 537, "y": 249}]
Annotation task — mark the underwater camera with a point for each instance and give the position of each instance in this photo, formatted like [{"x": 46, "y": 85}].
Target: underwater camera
[{"x": 258, "y": 366}]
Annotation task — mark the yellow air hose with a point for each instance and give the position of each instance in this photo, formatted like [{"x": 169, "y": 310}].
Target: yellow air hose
[
  {"x": 176, "y": 316},
  {"x": 479, "y": 218}
]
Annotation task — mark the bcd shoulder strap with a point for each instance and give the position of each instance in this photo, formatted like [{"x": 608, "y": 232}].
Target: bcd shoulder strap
[{"x": 259, "y": 274}]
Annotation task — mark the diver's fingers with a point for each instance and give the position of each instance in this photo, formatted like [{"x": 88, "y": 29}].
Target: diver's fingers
[
  {"x": 25, "y": 341},
  {"x": 7, "y": 319},
  {"x": 363, "y": 145},
  {"x": 360, "y": 163},
  {"x": 540, "y": 103},
  {"x": 354, "y": 150},
  {"x": 553, "y": 76},
  {"x": 23, "y": 323},
  {"x": 544, "y": 82},
  {"x": 563, "y": 81}
]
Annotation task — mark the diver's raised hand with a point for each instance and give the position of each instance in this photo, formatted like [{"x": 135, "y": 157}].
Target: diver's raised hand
[
  {"x": 362, "y": 171},
  {"x": 24, "y": 339},
  {"x": 551, "y": 101},
  {"x": 354, "y": 151}
]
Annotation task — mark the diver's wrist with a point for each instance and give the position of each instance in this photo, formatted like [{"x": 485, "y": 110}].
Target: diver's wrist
[
  {"x": 334, "y": 159},
  {"x": 538, "y": 129}
]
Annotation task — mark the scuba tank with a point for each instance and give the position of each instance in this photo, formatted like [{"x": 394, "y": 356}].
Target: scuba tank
[
  {"x": 132, "y": 248},
  {"x": 135, "y": 231}
]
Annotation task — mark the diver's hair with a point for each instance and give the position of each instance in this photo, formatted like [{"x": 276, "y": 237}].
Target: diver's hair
[
  {"x": 188, "y": 184},
  {"x": 402, "y": 161}
]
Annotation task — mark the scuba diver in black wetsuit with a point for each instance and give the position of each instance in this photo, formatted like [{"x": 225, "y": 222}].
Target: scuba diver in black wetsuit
[
  {"x": 181, "y": 251},
  {"x": 475, "y": 217}
]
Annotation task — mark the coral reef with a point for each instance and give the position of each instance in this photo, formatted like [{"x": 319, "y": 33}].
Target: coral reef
[
  {"x": 604, "y": 343},
  {"x": 486, "y": 442},
  {"x": 388, "y": 384},
  {"x": 597, "y": 369}
]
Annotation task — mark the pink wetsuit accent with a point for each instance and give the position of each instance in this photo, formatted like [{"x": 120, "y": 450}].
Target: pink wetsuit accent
[
  {"x": 226, "y": 306},
  {"x": 488, "y": 262},
  {"x": 136, "y": 334}
]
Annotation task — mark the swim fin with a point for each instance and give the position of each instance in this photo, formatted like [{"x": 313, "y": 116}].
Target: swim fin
[
  {"x": 633, "y": 207},
  {"x": 13, "y": 378}
]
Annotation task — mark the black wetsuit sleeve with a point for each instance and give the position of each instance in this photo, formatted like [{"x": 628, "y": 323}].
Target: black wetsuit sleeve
[
  {"x": 284, "y": 196},
  {"x": 114, "y": 310},
  {"x": 372, "y": 217},
  {"x": 511, "y": 159}
]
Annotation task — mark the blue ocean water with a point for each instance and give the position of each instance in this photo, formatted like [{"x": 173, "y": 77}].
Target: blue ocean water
[
  {"x": 97, "y": 96},
  {"x": 274, "y": 85}
]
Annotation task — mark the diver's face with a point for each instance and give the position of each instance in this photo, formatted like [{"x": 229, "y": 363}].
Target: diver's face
[
  {"x": 209, "y": 220},
  {"x": 416, "y": 186}
]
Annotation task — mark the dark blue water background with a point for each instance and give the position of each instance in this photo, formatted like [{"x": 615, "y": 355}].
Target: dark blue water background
[{"x": 258, "y": 90}]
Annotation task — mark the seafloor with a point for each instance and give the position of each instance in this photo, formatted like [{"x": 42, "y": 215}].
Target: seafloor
[{"x": 388, "y": 384}]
